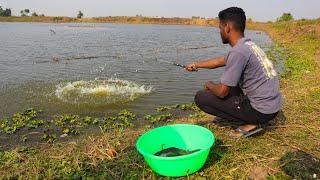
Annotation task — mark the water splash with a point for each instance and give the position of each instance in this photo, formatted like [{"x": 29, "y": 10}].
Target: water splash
[{"x": 100, "y": 92}]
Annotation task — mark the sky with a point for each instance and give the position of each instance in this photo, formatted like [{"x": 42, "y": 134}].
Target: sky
[{"x": 258, "y": 10}]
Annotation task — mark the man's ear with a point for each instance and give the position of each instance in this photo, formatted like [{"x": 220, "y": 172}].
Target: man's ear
[{"x": 227, "y": 28}]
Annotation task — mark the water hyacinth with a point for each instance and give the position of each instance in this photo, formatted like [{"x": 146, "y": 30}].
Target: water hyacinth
[{"x": 21, "y": 120}]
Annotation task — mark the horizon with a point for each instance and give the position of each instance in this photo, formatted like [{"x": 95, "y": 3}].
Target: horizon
[{"x": 183, "y": 9}]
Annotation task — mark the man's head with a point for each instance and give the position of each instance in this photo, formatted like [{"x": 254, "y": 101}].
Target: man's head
[{"x": 232, "y": 21}]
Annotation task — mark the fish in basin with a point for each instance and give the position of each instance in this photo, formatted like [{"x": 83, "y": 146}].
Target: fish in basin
[{"x": 173, "y": 152}]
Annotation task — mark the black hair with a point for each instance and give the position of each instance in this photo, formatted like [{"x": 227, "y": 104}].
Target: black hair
[{"x": 235, "y": 15}]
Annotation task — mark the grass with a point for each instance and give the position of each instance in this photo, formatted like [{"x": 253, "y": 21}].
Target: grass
[{"x": 276, "y": 154}]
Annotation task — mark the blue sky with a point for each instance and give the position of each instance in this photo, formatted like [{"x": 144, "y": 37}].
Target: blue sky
[{"x": 260, "y": 10}]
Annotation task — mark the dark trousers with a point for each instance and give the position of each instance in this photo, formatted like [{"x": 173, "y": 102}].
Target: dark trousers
[{"x": 235, "y": 107}]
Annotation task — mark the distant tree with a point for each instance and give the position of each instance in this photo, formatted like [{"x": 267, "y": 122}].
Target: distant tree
[
  {"x": 286, "y": 17},
  {"x": 249, "y": 20},
  {"x": 80, "y": 15},
  {"x": 34, "y": 14},
  {"x": 25, "y": 12},
  {"x": 1, "y": 11},
  {"x": 41, "y": 15},
  {"x": 5, "y": 12}
]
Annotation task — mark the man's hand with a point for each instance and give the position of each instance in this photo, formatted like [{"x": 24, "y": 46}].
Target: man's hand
[
  {"x": 207, "y": 64},
  {"x": 191, "y": 67},
  {"x": 208, "y": 85},
  {"x": 219, "y": 90}
]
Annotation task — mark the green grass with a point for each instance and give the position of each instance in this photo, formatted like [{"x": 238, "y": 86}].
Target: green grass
[{"x": 112, "y": 154}]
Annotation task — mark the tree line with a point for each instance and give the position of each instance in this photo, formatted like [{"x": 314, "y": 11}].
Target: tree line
[
  {"x": 25, "y": 12},
  {"x": 5, "y": 12}
]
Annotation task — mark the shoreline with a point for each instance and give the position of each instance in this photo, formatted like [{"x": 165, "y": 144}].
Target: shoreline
[{"x": 113, "y": 19}]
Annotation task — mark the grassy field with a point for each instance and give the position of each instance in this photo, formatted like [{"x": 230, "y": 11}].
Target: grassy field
[{"x": 290, "y": 148}]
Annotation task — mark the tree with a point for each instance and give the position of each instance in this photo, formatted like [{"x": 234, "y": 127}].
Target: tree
[
  {"x": 5, "y": 12},
  {"x": 286, "y": 17},
  {"x": 25, "y": 12},
  {"x": 80, "y": 14},
  {"x": 34, "y": 14}
]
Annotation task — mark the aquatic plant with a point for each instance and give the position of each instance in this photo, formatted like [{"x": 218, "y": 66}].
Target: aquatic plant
[
  {"x": 122, "y": 120},
  {"x": 199, "y": 114},
  {"x": 33, "y": 124},
  {"x": 158, "y": 117},
  {"x": 24, "y": 138},
  {"x": 71, "y": 124},
  {"x": 49, "y": 136},
  {"x": 186, "y": 106},
  {"x": 196, "y": 112},
  {"x": 166, "y": 108},
  {"x": 21, "y": 120}
]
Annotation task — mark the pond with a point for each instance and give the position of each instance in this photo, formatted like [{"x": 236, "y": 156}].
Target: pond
[{"x": 94, "y": 69}]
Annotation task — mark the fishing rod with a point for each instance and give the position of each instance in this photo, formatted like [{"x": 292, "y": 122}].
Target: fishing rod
[
  {"x": 172, "y": 63},
  {"x": 168, "y": 62}
]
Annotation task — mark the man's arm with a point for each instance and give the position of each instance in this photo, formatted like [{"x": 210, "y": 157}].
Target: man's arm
[
  {"x": 209, "y": 64},
  {"x": 219, "y": 90}
]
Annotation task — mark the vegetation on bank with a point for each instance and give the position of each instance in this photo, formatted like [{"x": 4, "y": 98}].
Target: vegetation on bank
[
  {"x": 290, "y": 148},
  {"x": 29, "y": 124},
  {"x": 138, "y": 19},
  {"x": 112, "y": 19}
]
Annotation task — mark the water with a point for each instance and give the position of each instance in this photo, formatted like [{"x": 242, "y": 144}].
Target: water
[{"x": 71, "y": 68}]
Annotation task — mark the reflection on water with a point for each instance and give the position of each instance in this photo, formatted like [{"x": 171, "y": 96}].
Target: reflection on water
[{"x": 39, "y": 68}]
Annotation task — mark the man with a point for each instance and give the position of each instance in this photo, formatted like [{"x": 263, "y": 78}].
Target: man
[{"x": 249, "y": 87}]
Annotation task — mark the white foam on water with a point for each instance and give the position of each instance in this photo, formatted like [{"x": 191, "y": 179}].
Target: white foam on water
[{"x": 100, "y": 91}]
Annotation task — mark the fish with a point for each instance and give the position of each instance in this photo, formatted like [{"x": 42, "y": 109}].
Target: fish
[{"x": 173, "y": 152}]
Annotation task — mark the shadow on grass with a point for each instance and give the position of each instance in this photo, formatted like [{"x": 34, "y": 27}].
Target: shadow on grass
[
  {"x": 300, "y": 165},
  {"x": 280, "y": 119},
  {"x": 216, "y": 153},
  {"x": 130, "y": 165}
]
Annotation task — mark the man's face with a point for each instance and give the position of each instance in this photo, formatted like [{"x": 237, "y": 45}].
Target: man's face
[{"x": 223, "y": 33}]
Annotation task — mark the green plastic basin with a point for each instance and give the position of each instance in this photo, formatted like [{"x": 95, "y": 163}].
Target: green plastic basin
[{"x": 183, "y": 136}]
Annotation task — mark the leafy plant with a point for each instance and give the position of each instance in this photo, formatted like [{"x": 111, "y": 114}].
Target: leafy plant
[
  {"x": 21, "y": 120},
  {"x": 158, "y": 117},
  {"x": 69, "y": 124},
  {"x": 122, "y": 120},
  {"x": 49, "y": 136}
]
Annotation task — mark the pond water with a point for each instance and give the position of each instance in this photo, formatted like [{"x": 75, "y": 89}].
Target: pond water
[{"x": 95, "y": 69}]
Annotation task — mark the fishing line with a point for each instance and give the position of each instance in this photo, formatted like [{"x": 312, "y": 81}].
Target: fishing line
[
  {"x": 164, "y": 61},
  {"x": 172, "y": 63}
]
